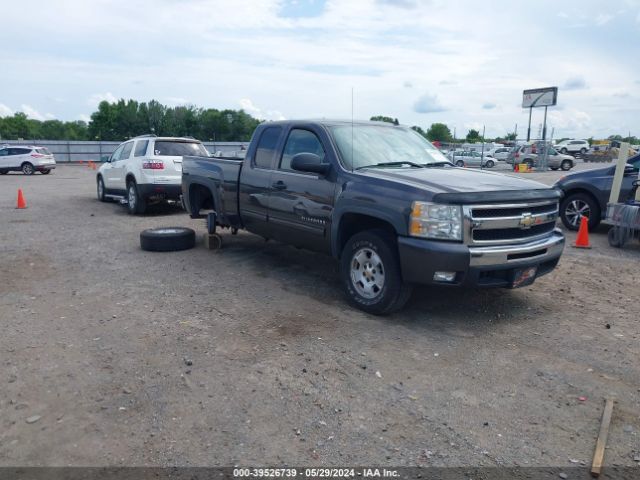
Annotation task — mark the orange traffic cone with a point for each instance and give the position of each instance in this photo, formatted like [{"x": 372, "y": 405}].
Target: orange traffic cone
[
  {"x": 21, "y": 202},
  {"x": 582, "y": 240}
]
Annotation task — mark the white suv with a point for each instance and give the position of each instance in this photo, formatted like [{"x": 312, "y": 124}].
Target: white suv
[
  {"x": 26, "y": 159},
  {"x": 572, "y": 146},
  {"x": 146, "y": 169}
]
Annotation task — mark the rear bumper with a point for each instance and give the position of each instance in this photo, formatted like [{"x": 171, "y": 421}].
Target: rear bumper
[
  {"x": 150, "y": 190},
  {"x": 46, "y": 166},
  {"x": 476, "y": 266}
]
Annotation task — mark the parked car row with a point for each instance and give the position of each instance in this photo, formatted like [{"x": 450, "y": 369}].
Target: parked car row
[{"x": 533, "y": 155}]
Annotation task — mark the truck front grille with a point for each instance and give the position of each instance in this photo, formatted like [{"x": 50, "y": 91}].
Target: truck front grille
[{"x": 502, "y": 224}]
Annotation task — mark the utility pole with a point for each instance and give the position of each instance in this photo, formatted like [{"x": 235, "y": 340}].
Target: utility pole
[
  {"x": 482, "y": 153},
  {"x": 529, "y": 127}
]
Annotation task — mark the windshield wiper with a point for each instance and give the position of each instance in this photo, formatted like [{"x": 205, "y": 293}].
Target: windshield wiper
[
  {"x": 392, "y": 164},
  {"x": 438, "y": 164}
]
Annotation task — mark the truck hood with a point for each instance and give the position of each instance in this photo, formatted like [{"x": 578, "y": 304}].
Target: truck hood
[
  {"x": 466, "y": 186},
  {"x": 454, "y": 180}
]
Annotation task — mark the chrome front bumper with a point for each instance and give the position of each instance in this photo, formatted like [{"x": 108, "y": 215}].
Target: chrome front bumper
[{"x": 539, "y": 250}]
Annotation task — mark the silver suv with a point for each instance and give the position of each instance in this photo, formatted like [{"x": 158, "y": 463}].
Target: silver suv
[{"x": 532, "y": 155}]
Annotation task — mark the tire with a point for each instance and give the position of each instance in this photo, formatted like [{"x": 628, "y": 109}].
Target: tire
[
  {"x": 459, "y": 163},
  {"x": 576, "y": 205},
  {"x": 616, "y": 237},
  {"x": 167, "y": 239},
  {"x": 4, "y": 172},
  {"x": 45, "y": 172},
  {"x": 27, "y": 168},
  {"x": 564, "y": 151},
  {"x": 100, "y": 190},
  {"x": 566, "y": 165},
  {"x": 368, "y": 255},
  {"x": 136, "y": 205},
  {"x": 489, "y": 164},
  {"x": 554, "y": 168},
  {"x": 583, "y": 151}
]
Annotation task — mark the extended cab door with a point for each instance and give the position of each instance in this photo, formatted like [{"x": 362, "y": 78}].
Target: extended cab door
[
  {"x": 300, "y": 203},
  {"x": 255, "y": 181}
]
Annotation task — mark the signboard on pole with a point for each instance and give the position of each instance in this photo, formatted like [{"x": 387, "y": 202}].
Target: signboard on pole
[{"x": 540, "y": 97}]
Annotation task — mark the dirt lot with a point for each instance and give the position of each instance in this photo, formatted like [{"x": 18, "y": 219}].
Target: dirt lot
[{"x": 251, "y": 356}]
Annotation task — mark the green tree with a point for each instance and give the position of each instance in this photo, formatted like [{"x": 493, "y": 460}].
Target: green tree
[
  {"x": 473, "y": 136},
  {"x": 439, "y": 132}
]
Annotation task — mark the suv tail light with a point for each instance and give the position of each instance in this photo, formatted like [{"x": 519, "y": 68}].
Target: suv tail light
[
  {"x": 153, "y": 165},
  {"x": 37, "y": 155}
]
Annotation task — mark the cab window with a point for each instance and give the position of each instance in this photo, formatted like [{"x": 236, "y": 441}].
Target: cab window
[
  {"x": 126, "y": 151},
  {"x": 141, "y": 148},
  {"x": 267, "y": 147},
  {"x": 300, "y": 141}
]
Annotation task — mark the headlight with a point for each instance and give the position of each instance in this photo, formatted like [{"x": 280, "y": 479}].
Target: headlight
[{"x": 432, "y": 220}]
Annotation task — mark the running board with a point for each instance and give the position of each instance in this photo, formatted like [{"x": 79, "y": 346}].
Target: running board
[{"x": 120, "y": 198}]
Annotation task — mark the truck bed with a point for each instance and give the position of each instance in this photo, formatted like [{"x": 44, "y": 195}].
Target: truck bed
[{"x": 219, "y": 176}]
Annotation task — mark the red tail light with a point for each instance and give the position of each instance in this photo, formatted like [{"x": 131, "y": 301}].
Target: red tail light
[
  {"x": 37, "y": 155},
  {"x": 153, "y": 165}
]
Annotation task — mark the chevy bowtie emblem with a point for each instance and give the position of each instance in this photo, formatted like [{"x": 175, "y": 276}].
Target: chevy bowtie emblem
[{"x": 527, "y": 221}]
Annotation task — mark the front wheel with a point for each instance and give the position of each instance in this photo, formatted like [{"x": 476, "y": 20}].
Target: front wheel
[
  {"x": 100, "y": 190},
  {"x": 576, "y": 206},
  {"x": 135, "y": 203},
  {"x": 460, "y": 163},
  {"x": 28, "y": 169},
  {"x": 370, "y": 273},
  {"x": 489, "y": 164}
]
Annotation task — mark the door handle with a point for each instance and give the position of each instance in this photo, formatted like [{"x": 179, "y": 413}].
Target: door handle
[{"x": 279, "y": 185}]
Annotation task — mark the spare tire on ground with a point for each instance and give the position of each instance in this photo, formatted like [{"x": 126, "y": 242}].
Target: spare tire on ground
[{"x": 167, "y": 239}]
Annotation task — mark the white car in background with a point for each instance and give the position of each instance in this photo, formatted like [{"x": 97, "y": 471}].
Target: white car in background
[
  {"x": 26, "y": 159},
  {"x": 146, "y": 169},
  {"x": 501, "y": 153},
  {"x": 572, "y": 146}
]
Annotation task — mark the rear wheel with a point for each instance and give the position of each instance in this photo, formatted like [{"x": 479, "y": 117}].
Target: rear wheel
[
  {"x": 576, "y": 206},
  {"x": 4, "y": 172},
  {"x": 489, "y": 164},
  {"x": 583, "y": 151},
  {"x": 566, "y": 165},
  {"x": 564, "y": 150},
  {"x": 460, "y": 163},
  {"x": 136, "y": 205},
  {"x": 27, "y": 168},
  {"x": 45, "y": 172},
  {"x": 370, "y": 273}
]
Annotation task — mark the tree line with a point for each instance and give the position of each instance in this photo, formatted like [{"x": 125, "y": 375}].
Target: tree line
[{"x": 118, "y": 121}]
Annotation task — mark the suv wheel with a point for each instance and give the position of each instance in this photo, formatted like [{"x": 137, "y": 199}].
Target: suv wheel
[
  {"x": 100, "y": 189},
  {"x": 489, "y": 164},
  {"x": 566, "y": 165},
  {"x": 135, "y": 203},
  {"x": 579, "y": 205},
  {"x": 564, "y": 150},
  {"x": 370, "y": 273},
  {"x": 27, "y": 168},
  {"x": 583, "y": 151}
]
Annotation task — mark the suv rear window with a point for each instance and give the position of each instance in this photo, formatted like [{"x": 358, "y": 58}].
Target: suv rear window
[
  {"x": 172, "y": 148},
  {"x": 141, "y": 148}
]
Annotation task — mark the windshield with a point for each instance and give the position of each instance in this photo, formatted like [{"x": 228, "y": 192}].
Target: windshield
[
  {"x": 169, "y": 148},
  {"x": 375, "y": 144}
]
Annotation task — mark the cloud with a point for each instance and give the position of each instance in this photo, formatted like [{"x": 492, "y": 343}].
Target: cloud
[
  {"x": 447, "y": 82},
  {"x": 407, "y": 84},
  {"x": 176, "y": 100},
  {"x": 84, "y": 117},
  {"x": 95, "y": 99},
  {"x": 428, "y": 104},
  {"x": 604, "y": 18},
  {"x": 5, "y": 111},
  {"x": 248, "y": 106},
  {"x": 563, "y": 15},
  {"x": 575, "y": 83},
  {"x": 489, "y": 106},
  {"x": 32, "y": 113},
  {"x": 622, "y": 94},
  {"x": 407, "y": 4}
]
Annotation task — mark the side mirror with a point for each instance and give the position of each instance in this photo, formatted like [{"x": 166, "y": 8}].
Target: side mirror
[{"x": 309, "y": 162}]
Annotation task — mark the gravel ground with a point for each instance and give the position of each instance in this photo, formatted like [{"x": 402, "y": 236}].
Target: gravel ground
[{"x": 250, "y": 355}]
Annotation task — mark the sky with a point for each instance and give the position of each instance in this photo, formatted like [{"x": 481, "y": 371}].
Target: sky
[{"x": 462, "y": 63}]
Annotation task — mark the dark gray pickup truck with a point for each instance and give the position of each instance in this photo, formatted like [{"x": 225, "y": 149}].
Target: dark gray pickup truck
[{"x": 385, "y": 203}]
